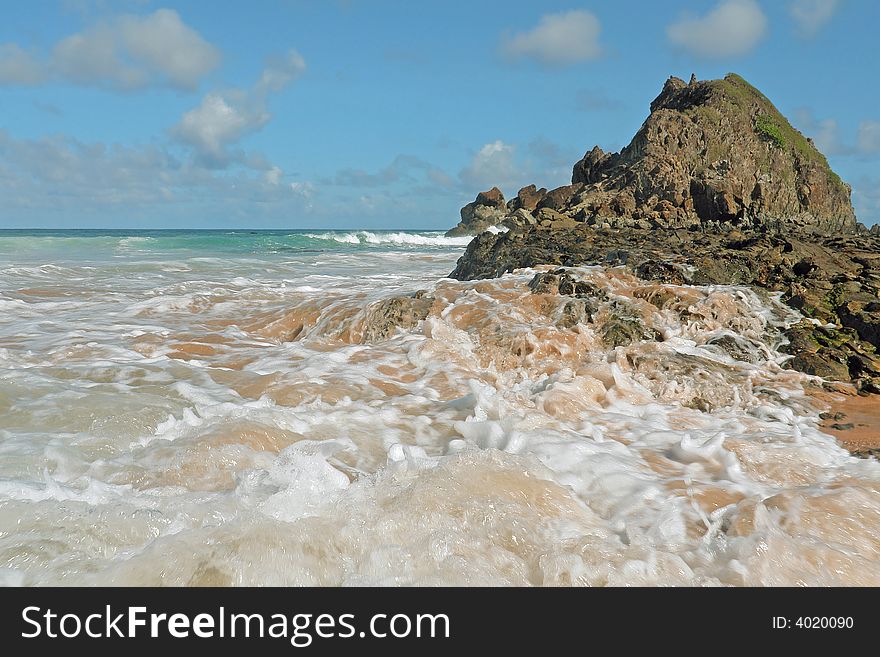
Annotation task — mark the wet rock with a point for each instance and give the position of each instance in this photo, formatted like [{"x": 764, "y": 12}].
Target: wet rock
[
  {"x": 546, "y": 282},
  {"x": 867, "y": 453},
  {"x": 576, "y": 311},
  {"x": 664, "y": 272},
  {"x": 623, "y": 331},
  {"x": 715, "y": 188},
  {"x": 863, "y": 317},
  {"x": 817, "y": 365},
  {"x": 384, "y": 317},
  {"x": 560, "y": 281},
  {"x": 739, "y": 348}
]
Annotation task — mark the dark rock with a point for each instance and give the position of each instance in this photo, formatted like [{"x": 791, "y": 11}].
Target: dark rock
[
  {"x": 519, "y": 218},
  {"x": 561, "y": 282},
  {"x": 487, "y": 210},
  {"x": 867, "y": 453},
  {"x": 527, "y": 198},
  {"x": 492, "y": 199},
  {"x": 589, "y": 169},
  {"x": 546, "y": 282},
  {"x": 716, "y": 187},
  {"x": 856, "y": 314},
  {"x": 560, "y": 198},
  {"x": 815, "y": 364}
]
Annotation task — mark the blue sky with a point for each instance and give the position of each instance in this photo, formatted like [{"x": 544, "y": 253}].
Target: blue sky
[{"x": 384, "y": 113}]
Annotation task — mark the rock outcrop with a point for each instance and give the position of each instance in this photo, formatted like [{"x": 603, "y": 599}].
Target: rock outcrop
[{"x": 712, "y": 154}]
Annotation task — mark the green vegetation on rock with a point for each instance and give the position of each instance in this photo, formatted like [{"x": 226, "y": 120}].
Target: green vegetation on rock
[
  {"x": 772, "y": 125},
  {"x": 767, "y": 127}
]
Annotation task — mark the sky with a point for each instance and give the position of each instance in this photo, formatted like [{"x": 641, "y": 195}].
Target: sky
[{"x": 385, "y": 113}]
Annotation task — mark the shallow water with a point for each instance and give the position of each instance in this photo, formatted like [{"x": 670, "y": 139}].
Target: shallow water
[{"x": 201, "y": 409}]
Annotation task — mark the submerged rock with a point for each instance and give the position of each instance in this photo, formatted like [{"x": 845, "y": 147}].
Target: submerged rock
[
  {"x": 623, "y": 331},
  {"x": 384, "y": 317}
]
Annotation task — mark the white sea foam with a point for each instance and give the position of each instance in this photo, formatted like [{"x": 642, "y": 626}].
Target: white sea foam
[
  {"x": 400, "y": 238},
  {"x": 233, "y": 428}
]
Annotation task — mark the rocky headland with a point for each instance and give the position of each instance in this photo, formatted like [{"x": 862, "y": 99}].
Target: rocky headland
[{"x": 716, "y": 187}]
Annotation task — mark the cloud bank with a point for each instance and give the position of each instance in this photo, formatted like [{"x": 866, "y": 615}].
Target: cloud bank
[
  {"x": 732, "y": 28},
  {"x": 557, "y": 40},
  {"x": 125, "y": 53}
]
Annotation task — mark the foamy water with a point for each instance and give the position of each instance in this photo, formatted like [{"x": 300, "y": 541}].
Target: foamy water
[{"x": 188, "y": 409}]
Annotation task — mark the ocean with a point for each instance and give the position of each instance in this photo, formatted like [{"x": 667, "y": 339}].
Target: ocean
[{"x": 204, "y": 408}]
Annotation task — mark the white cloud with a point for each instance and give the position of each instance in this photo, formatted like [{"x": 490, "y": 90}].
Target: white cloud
[
  {"x": 732, "y": 28},
  {"x": 18, "y": 66},
  {"x": 304, "y": 189},
  {"x": 127, "y": 52},
  {"x": 273, "y": 175},
  {"x": 222, "y": 119},
  {"x": 558, "y": 39},
  {"x": 811, "y": 15},
  {"x": 868, "y": 137},
  {"x": 280, "y": 71},
  {"x": 41, "y": 177},
  {"x": 218, "y": 122},
  {"x": 494, "y": 164},
  {"x": 510, "y": 167},
  {"x": 826, "y": 135}
]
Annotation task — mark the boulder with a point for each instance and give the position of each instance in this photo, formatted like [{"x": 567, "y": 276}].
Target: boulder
[
  {"x": 527, "y": 198},
  {"x": 487, "y": 210}
]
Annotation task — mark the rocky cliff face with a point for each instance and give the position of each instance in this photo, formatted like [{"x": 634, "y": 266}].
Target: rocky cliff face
[{"x": 712, "y": 154}]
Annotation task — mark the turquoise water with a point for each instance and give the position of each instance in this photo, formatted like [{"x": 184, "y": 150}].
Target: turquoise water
[{"x": 97, "y": 244}]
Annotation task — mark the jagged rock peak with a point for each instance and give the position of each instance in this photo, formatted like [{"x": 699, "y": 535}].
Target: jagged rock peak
[
  {"x": 712, "y": 155},
  {"x": 710, "y": 152}
]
